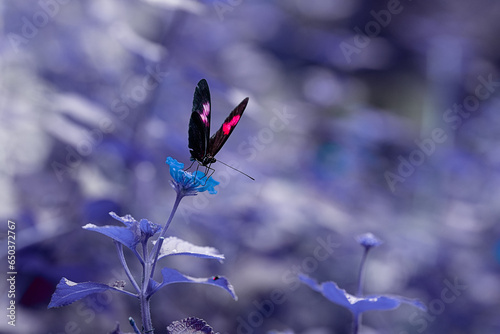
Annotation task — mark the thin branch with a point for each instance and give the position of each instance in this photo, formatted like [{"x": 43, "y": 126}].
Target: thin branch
[{"x": 119, "y": 248}]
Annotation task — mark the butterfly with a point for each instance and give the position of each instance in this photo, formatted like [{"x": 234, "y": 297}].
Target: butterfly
[{"x": 202, "y": 147}]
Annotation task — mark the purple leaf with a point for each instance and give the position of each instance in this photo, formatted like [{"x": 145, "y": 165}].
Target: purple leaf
[
  {"x": 189, "y": 325},
  {"x": 132, "y": 234},
  {"x": 173, "y": 276},
  {"x": 68, "y": 292},
  {"x": 123, "y": 235},
  {"x": 127, "y": 220},
  {"x": 358, "y": 305},
  {"x": 176, "y": 246}
]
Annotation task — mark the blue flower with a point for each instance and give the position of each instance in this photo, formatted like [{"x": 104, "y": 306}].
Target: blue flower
[
  {"x": 368, "y": 240},
  {"x": 189, "y": 184},
  {"x": 358, "y": 305}
]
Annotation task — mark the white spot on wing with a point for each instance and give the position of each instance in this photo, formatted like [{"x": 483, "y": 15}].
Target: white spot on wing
[{"x": 205, "y": 113}]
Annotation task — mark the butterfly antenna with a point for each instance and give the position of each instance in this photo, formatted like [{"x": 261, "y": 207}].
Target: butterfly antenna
[{"x": 236, "y": 170}]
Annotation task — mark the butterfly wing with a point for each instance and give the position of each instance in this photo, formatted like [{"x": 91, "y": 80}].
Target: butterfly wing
[
  {"x": 219, "y": 138},
  {"x": 199, "y": 124}
]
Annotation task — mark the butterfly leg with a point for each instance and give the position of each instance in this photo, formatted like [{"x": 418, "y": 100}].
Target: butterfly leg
[
  {"x": 190, "y": 165},
  {"x": 207, "y": 169},
  {"x": 197, "y": 168}
]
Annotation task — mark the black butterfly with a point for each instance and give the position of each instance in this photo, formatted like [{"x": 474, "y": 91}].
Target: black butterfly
[{"x": 202, "y": 147}]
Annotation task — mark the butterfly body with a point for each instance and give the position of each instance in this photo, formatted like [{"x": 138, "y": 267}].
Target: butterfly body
[{"x": 202, "y": 147}]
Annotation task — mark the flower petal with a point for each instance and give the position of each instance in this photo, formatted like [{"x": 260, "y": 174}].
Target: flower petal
[
  {"x": 207, "y": 184},
  {"x": 174, "y": 164}
]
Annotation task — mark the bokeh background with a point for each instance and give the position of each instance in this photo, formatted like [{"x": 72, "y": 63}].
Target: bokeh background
[{"x": 364, "y": 116}]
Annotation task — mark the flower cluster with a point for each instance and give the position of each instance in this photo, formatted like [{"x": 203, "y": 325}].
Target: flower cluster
[
  {"x": 189, "y": 184},
  {"x": 368, "y": 240}
]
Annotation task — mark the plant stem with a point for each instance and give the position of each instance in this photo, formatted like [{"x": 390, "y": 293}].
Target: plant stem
[
  {"x": 156, "y": 249},
  {"x": 355, "y": 323},
  {"x": 147, "y": 324},
  {"x": 361, "y": 273},
  {"x": 357, "y": 316},
  {"x": 156, "y": 255},
  {"x": 119, "y": 248},
  {"x": 149, "y": 265}
]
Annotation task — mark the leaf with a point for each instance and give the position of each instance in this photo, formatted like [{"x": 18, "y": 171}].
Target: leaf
[
  {"x": 189, "y": 325},
  {"x": 127, "y": 220},
  {"x": 68, "y": 292},
  {"x": 123, "y": 235},
  {"x": 358, "y": 305},
  {"x": 176, "y": 246},
  {"x": 173, "y": 276}
]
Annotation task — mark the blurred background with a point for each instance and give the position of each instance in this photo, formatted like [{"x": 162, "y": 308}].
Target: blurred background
[{"x": 364, "y": 116}]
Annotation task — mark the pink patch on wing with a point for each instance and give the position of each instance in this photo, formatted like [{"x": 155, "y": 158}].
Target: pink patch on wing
[
  {"x": 226, "y": 127},
  {"x": 205, "y": 113}
]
